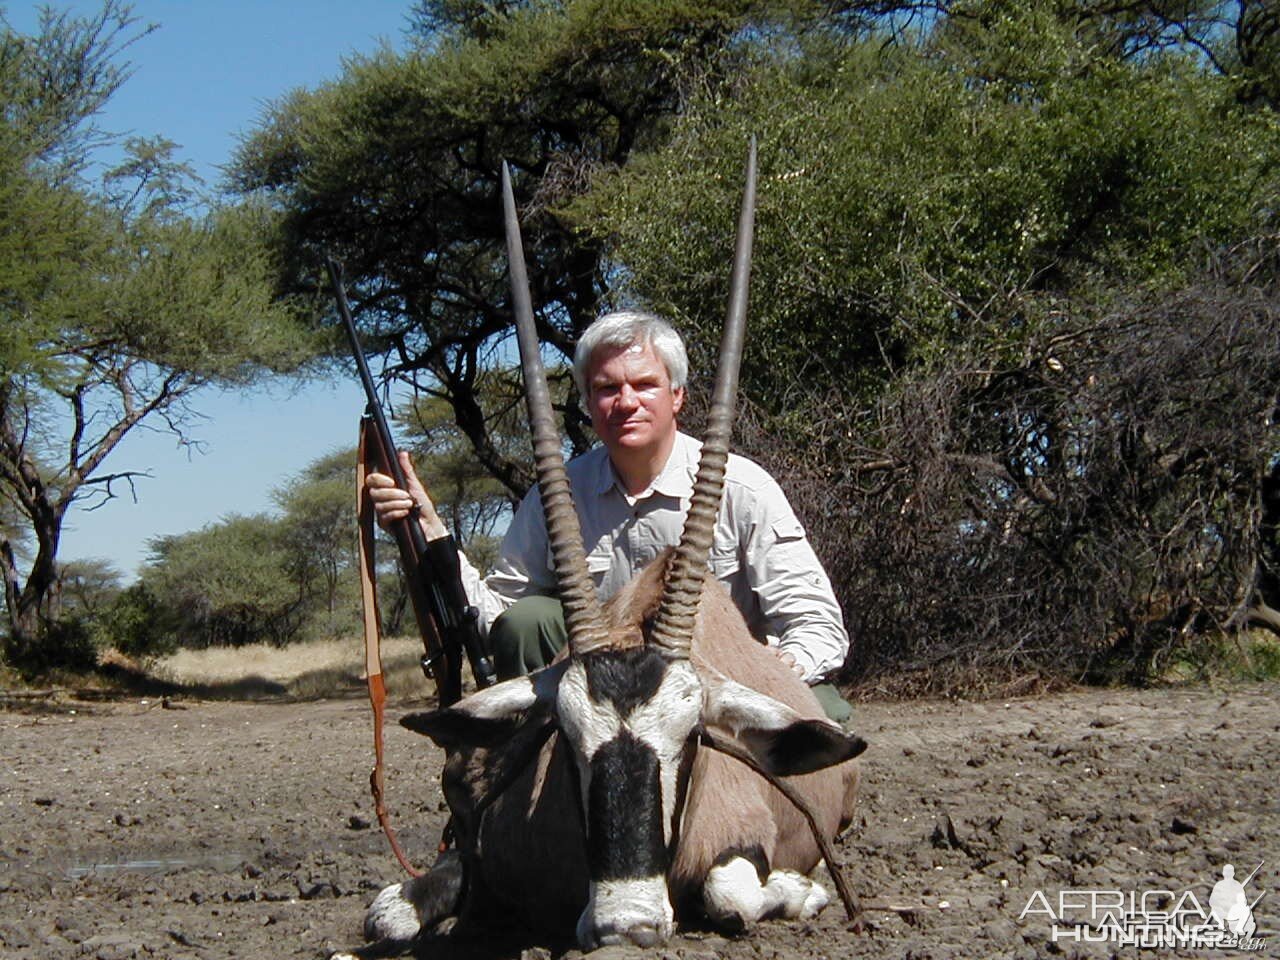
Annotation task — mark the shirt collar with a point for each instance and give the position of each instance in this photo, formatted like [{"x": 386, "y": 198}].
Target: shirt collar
[{"x": 675, "y": 480}]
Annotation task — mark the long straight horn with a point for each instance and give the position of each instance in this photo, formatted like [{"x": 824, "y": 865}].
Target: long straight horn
[
  {"x": 673, "y": 624},
  {"x": 582, "y": 613}
]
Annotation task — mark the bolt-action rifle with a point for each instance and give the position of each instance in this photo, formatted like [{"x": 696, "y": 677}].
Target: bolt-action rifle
[{"x": 446, "y": 620}]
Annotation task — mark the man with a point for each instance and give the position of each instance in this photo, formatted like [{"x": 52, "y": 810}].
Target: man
[{"x": 631, "y": 496}]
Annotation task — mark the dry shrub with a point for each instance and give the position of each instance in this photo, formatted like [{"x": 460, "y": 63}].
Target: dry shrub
[{"x": 1081, "y": 505}]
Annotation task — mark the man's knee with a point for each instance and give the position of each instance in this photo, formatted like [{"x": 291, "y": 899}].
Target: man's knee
[
  {"x": 835, "y": 706},
  {"x": 527, "y": 636}
]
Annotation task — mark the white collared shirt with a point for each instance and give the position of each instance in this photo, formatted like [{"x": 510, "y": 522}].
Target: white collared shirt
[{"x": 760, "y": 551}]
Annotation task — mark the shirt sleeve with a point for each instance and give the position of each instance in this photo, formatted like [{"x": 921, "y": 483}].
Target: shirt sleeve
[
  {"x": 800, "y": 612},
  {"x": 521, "y": 569}
]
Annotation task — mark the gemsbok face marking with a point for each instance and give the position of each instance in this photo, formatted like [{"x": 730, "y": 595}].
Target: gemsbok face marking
[
  {"x": 628, "y": 720},
  {"x": 627, "y": 715}
]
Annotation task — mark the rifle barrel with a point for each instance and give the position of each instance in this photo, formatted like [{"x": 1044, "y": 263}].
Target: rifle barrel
[
  {"x": 432, "y": 571},
  {"x": 372, "y": 407}
]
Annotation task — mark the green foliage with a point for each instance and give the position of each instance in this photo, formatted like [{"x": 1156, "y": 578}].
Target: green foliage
[
  {"x": 907, "y": 201},
  {"x": 117, "y": 300},
  {"x": 318, "y": 533},
  {"x": 947, "y": 189},
  {"x": 227, "y": 584},
  {"x": 394, "y": 169},
  {"x": 294, "y": 576},
  {"x": 137, "y": 624},
  {"x": 468, "y": 497},
  {"x": 53, "y": 83},
  {"x": 1264, "y": 658},
  {"x": 87, "y": 587},
  {"x": 1250, "y": 657},
  {"x": 66, "y": 644}
]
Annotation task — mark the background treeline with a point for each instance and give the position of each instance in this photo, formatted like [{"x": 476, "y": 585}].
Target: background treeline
[
  {"x": 281, "y": 577},
  {"x": 1014, "y": 340}
]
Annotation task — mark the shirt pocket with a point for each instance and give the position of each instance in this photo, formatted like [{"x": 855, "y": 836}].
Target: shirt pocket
[
  {"x": 600, "y": 561},
  {"x": 786, "y": 529}
]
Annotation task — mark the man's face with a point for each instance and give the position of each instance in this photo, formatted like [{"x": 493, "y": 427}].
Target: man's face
[{"x": 630, "y": 398}]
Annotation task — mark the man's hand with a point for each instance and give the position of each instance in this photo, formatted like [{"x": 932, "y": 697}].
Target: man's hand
[
  {"x": 789, "y": 660},
  {"x": 391, "y": 504}
]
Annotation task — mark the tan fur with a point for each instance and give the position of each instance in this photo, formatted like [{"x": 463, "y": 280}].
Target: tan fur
[{"x": 729, "y": 805}]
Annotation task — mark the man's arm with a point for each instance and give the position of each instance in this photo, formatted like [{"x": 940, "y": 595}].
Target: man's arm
[
  {"x": 796, "y": 601},
  {"x": 520, "y": 569}
]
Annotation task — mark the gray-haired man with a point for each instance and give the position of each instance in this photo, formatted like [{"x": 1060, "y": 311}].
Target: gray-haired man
[{"x": 631, "y": 495}]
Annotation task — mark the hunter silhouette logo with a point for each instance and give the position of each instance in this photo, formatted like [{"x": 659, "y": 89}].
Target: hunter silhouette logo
[
  {"x": 1155, "y": 918},
  {"x": 1229, "y": 904}
]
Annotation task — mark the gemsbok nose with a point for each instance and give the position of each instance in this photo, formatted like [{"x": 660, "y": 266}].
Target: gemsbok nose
[{"x": 627, "y": 913}]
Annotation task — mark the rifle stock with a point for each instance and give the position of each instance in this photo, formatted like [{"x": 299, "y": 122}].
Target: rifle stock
[{"x": 446, "y": 620}]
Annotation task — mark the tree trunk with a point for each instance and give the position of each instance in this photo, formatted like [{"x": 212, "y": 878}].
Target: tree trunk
[
  {"x": 1266, "y": 593},
  {"x": 33, "y": 605}
]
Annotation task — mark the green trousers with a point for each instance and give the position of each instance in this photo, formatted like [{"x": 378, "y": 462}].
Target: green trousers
[{"x": 528, "y": 635}]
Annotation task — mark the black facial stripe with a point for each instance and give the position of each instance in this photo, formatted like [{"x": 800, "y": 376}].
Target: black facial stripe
[
  {"x": 624, "y": 678},
  {"x": 624, "y": 812}
]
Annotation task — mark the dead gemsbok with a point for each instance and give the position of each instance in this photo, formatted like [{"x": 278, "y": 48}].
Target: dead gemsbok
[{"x": 641, "y": 776}]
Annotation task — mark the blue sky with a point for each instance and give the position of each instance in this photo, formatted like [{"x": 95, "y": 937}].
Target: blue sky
[{"x": 202, "y": 79}]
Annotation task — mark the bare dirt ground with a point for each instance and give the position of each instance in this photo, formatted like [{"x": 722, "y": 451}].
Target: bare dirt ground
[{"x": 243, "y": 830}]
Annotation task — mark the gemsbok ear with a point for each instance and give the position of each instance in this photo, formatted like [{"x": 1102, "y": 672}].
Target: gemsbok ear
[
  {"x": 780, "y": 741},
  {"x": 491, "y": 716}
]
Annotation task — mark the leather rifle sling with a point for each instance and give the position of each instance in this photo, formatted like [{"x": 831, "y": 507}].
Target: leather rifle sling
[{"x": 373, "y": 636}]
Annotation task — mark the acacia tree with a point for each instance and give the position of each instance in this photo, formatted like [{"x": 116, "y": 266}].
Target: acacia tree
[
  {"x": 394, "y": 167},
  {"x": 471, "y": 501},
  {"x": 941, "y": 179},
  {"x": 228, "y": 584},
  {"x": 89, "y": 586},
  {"x": 292, "y": 575},
  {"x": 116, "y": 305},
  {"x": 395, "y": 170},
  {"x": 911, "y": 196},
  {"x": 318, "y": 533}
]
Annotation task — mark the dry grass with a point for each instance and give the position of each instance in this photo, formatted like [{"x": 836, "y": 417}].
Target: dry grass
[{"x": 325, "y": 668}]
